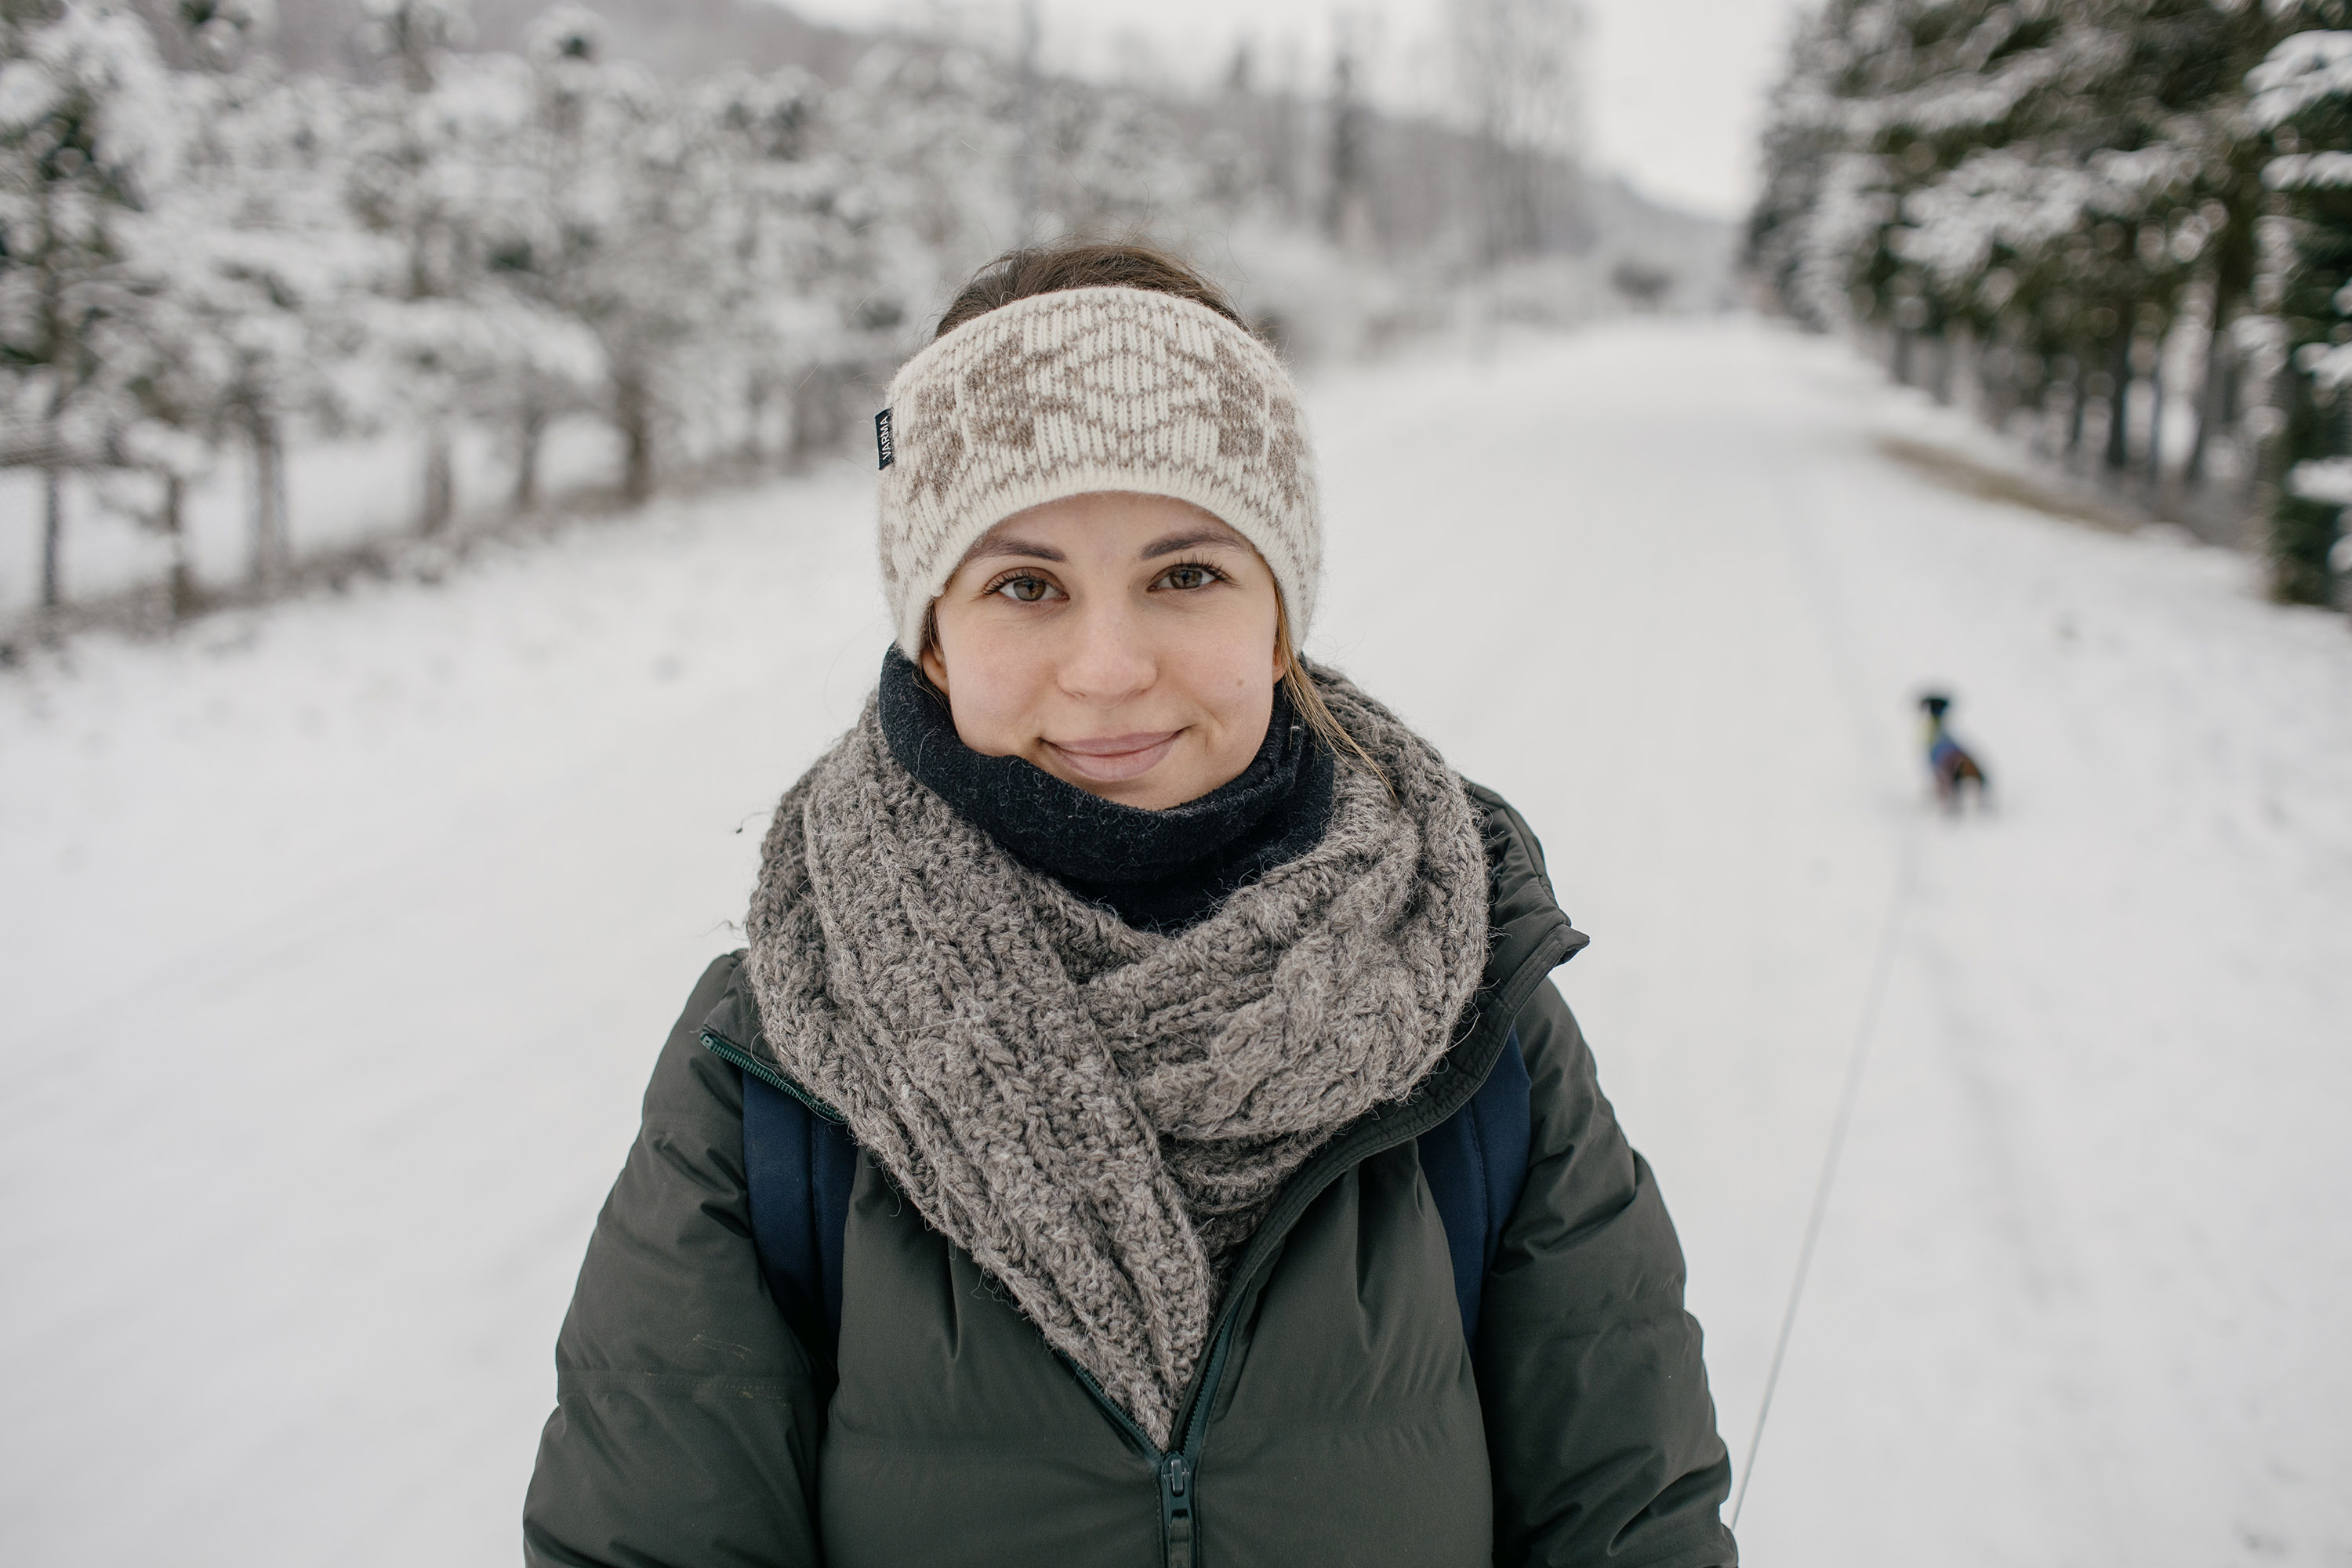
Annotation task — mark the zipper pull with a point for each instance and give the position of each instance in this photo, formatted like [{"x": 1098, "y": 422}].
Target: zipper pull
[{"x": 1176, "y": 1508}]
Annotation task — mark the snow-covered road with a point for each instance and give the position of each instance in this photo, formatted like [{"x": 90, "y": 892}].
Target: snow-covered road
[{"x": 336, "y": 940}]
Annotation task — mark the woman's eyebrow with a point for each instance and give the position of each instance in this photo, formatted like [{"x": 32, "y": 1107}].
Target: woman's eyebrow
[
  {"x": 1193, "y": 540},
  {"x": 987, "y": 548}
]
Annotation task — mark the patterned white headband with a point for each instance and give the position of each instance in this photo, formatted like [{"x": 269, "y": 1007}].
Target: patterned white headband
[{"x": 1085, "y": 390}]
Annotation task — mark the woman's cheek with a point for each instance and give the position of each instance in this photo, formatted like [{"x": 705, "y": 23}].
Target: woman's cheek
[
  {"x": 1235, "y": 665},
  {"x": 1013, "y": 691}
]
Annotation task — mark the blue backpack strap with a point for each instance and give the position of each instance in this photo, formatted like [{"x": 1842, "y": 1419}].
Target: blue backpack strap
[
  {"x": 1476, "y": 1163},
  {"x": 800, "y": 1167}
]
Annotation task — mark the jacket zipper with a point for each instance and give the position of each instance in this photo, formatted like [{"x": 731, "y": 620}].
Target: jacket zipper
[
  {"x": 1174, "y": 1467},
  {"x": 1178, "y": 1530},
  {"x": 1176, "y": 1509},
  {"x": 727, "y": 1050},
  {"x": 1177, "y": 1469}
]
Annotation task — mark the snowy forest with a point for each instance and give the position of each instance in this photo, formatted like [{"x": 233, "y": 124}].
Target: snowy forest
[
  {"x": 2121, "y": 228},
  {"x": 462, "y": 281}
]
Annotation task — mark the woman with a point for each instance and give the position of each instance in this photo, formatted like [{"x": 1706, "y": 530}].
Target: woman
[{"x": 1147, "y": 967}]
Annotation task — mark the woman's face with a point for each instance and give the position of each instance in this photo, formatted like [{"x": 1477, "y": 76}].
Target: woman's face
[{"x": 1123, "y": 643}]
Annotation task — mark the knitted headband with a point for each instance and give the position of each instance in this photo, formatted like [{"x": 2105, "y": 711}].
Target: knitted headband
[{"x": 1083, "y": 389}]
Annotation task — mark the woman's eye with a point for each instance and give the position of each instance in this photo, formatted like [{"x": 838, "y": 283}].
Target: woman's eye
[
  {"x": 1188, "y": 577},
  {"x": 1025, "y": 590}
]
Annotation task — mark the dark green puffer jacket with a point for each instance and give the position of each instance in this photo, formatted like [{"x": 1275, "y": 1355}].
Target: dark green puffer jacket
[{"x": 1338, "y": 1417}]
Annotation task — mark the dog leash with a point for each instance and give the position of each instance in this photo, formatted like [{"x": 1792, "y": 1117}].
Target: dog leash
[{"x": 1857, "y": 1057}]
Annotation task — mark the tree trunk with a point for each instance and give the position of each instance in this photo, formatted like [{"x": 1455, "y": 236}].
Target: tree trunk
[
  {"x": 1902, "y": 366},
  {"x": 755, "y": 419},
  {"x": 175, "y": 529},
  {"x": 267, "y": 568},
  {"x": 282, "y": 515},
  {"x": 2119, "y": 403},
  {"x": 2049, "y": 382},
  {"x": 256, "y": 508},
  {"x": 816, "y": 416},
  {"x": 633, "y": 412},
  {"x": 2213, "y": 401},
  {"x": 1345, "y": 148},
  {"x": 1996, "y": 380},
  {"x": 2235, "y": 261},
  {"x": 2079, "y": 385},
  {"x": 440, "y": 482},
  {"x": 2303, "y": 532},
  {"x": 56, "y": 338},
  {"x": 53, "y": 533},
  {"x": 2155, "y": 420},
  {"x": 528, "y": 436}
]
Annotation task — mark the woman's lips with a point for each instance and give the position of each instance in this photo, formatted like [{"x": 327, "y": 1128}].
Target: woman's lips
[{"x": 1114, "y": 758}]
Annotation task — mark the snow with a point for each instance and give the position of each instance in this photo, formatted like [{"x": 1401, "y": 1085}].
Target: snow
[
  {"x": 2325, "y": 480},
  {"x": 339, "y": 938},
  {"x": 2308, "y": 171},
  {"x": 2305, "y": 69}
]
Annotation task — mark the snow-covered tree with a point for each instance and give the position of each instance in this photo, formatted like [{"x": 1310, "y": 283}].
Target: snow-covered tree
[
  {"x": 619, "y": 248},
  {"x": 414, "y": 37},
  {"x": 430, "y": 166},
  {"x": 935, "y": 141},
  {"x": 2304, "y": 99},
  {"x": 244, "y": 261},
  {"x": 86, "y": 129},
  {"x": 223, "y": 35},
  {"x": 2075, "y": 190},
  {"x": 789, "y": 263}
]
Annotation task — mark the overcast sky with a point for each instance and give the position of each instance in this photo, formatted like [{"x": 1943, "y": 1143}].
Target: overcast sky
[{"x": 1676, "y": 87}]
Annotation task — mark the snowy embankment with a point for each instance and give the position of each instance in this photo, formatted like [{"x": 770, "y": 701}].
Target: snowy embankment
[{"x": 339, "y": 938}]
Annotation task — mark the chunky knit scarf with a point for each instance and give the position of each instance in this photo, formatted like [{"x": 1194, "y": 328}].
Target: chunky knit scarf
[{"x": 1099, "y": 1115}]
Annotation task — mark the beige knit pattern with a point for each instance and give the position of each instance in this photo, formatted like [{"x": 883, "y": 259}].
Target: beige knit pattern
[
  {"x": 1085, "y": 390},
  {"x": 1101, "y": 1116}
]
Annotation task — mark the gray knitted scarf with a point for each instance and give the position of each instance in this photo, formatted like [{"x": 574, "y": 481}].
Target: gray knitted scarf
[{"x": 1101, "y": 1116}]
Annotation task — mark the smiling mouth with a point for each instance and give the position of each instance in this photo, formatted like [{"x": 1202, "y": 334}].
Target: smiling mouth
[{"x": 1114, "y": 758}]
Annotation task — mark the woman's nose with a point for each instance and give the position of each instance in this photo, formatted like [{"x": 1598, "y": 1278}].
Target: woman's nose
[{"x": 1108, "y": 660}]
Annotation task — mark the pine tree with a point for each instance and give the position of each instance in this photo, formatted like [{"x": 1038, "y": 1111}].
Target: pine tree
[
  {"x": 421, "y": 134},
  {"x": 2305, "y": 101},
  {"x": 246, "y": 261},
  {"x": 2070, "y": 186},
  {"x": 85, "y": 127}
]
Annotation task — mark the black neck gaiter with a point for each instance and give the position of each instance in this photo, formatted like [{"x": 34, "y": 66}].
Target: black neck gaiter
[{"x": 1157, "y": 870}]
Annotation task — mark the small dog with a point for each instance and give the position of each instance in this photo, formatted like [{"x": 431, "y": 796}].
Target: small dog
[{"x": 1948, "y": 763}]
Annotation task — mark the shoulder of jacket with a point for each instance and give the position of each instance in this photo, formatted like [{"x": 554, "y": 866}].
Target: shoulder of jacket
[
  {"x": 1517, "y": 876},
  {"x": 726, "y": 1007},
  {"x": 690, "y": 1086}
]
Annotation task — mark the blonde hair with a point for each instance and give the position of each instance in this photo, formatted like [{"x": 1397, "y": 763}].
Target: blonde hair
[{"x": 1308, "y": 702}]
